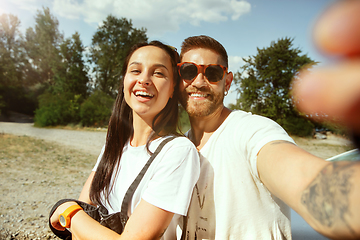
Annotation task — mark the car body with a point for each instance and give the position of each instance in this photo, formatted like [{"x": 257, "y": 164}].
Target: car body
[{"x": 352, "y": 155}]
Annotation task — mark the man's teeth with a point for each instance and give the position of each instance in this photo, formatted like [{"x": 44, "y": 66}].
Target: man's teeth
[
  {"x": 198, "y": 95},
  {"x": 143, "y": 94}
]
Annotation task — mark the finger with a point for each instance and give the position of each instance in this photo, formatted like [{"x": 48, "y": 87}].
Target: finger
[
  {"x": 338, "y": 30},
  {"x": 58, "y": 227},
  {"x": 55, "y": 223},
  {"x": 54, "y": 220},
  {"x": 331, "y": 94}
]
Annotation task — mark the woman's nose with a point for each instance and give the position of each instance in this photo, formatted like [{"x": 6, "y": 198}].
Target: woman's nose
[{"x": 144, "y": 80}]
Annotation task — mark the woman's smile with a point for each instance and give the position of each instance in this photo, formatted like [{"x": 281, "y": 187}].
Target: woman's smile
[{"x": 148, "y": 83}]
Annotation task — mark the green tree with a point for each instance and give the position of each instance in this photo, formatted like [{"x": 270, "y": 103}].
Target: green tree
[
  {"x": 57, "y": 109},
  {"x": 60, "y": 104},
  {"x": 110, "y": 44},
  {"x": 71, "y": 74},
  {"x": 264, "y": 85},
  {"x": 43, "y": 48},
  {"x": 14, "y": 90},
  {"x": 96, "y": 110},
  {"x": 11, "y": 51}
]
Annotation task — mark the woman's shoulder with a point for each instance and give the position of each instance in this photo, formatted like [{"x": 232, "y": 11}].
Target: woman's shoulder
[
  {"x": 182, "y": 150},
  {"x": 182, "y": 141},
  {"x": 178, "y": 139},
  {"x": 178, "y": 143}
]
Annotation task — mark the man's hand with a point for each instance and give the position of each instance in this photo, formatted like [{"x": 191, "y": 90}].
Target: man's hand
[{"x": 333, "y": 93}]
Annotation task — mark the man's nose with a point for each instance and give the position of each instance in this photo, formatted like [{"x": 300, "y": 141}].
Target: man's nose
[{"x": 199, "y": 81}]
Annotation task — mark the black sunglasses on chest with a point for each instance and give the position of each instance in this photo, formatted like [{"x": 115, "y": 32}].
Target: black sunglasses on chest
[{"x": 213, "y": 72}]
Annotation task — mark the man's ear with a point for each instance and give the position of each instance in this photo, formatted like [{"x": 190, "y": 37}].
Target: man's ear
[{"x": 228, "y": 80}]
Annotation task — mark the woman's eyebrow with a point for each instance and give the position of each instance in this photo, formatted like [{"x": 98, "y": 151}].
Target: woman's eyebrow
[
  {"x": 160, "y": 65},
  {"x": 134, "y": 63},
  {"x": 156, "y": 64}
]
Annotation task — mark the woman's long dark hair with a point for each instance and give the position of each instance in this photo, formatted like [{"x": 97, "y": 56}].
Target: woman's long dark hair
[{"x": 120, "y": 128}]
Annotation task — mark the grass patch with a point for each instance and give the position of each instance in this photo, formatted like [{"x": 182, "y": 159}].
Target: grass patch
[
  {"x": 323, "y": 148},
  {"x": 78, "y": 127},
  {"x": 29, "y": 158}
]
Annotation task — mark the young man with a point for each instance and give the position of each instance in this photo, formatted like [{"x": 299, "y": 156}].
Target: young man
[{"x": 251, "y": 170}]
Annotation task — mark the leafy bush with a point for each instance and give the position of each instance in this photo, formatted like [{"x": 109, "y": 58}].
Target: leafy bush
[
  {"x": 184, "y": 122},
  {"x": 297, "y": 126},
  {"x": 17, "y": 99},
  {"x": 57, "y": 109},
  {"x": 2, "y": 104},
  {"x": 96, "y": 110},
  {"x": 336, "y": 129}
]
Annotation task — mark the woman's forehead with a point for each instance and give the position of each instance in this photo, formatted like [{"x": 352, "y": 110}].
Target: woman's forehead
[{"x": 150, "y": 55}]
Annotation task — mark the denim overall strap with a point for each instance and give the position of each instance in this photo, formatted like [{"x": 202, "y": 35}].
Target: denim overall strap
[{"x": 136, "y": 182}]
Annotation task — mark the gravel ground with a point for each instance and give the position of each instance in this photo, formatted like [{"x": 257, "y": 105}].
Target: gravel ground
[
  {"x": 88, "y": 141},
  {"x": 44, "y": 171},
  {"x": 41, "y": 167}
]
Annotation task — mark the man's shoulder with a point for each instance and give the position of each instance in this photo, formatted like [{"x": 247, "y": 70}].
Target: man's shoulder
[
  {"x": 241, "y": 122},
  {"x": 242, "y": 116}
]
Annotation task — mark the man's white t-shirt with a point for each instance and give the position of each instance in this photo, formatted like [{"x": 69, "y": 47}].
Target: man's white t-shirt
[
  {"x": 229, "y": 200},
  {"x": 168, "y": 183}
]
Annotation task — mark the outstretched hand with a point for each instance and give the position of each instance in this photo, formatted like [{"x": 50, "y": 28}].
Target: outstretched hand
[{"x": 333, "y": 93}]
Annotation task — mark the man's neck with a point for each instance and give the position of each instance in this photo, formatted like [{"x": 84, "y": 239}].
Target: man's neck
[{"x": 203, "y": 127}]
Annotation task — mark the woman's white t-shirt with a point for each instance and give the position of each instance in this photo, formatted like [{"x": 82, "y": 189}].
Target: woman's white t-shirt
[{"x": 167, "y": 184}]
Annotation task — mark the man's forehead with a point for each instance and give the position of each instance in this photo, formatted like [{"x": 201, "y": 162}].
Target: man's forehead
[{"x": 201, "y": 56}]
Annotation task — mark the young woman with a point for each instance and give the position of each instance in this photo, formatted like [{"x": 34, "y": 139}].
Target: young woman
[{"x": 145, "y": 113}]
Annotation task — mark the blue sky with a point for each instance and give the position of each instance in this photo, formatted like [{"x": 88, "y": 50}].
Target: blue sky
[{"x": 241, "y": 26}]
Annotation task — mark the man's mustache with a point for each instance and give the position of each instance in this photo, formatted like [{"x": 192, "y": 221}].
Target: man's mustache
[{"x": 195, "y": 90}]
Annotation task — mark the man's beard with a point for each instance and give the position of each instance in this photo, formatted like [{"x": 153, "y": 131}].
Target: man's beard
[{"x": 201, "y": 108}]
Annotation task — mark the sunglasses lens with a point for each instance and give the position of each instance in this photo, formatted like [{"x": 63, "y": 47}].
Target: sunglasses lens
[
  {"x": 188, "y": 71},
  {"x": 214, "y": 73}
]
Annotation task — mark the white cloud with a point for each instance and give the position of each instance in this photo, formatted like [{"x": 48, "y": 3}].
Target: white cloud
[
  {"x": 235, "y": 62},
  {"x": 158, "y": 16},
  {"x": 68, "y": 9},
  {"x": 231, "y": 97},
  {"x": 31, "y": 5},
  {"x": 239, "y": 8}
]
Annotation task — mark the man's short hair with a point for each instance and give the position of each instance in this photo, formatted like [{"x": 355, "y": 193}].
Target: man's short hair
[{"x": 206, "y": 42}]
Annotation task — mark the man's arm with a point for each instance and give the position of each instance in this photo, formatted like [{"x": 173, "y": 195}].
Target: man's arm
[
  {"x": 326, "y": 194},
  {"x": 334, "y": 90}
]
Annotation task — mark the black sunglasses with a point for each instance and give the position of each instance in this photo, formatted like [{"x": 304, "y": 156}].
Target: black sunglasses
[{"x": 213, "y": 72}]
